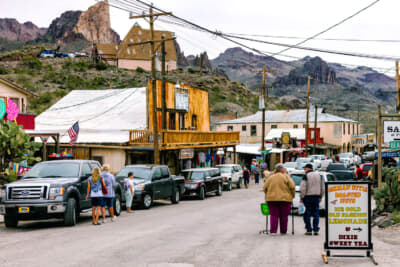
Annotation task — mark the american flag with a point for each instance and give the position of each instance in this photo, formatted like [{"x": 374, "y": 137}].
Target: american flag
[{"x": 73, "y": 133}]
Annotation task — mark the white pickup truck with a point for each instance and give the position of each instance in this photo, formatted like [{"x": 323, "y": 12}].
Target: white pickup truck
[{"x": 232, "y": 174}]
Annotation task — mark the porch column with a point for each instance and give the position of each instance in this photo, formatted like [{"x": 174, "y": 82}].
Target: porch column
[{"x": 234, "y": 155}]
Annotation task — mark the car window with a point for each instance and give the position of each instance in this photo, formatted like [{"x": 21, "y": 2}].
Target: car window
[
  {"x": 164, "y": 172},
  {"x": 297, "y": 178},
  {"x": 157, "y": 173},
  {"x": 367, "y": 167},
  {"x": 86, "y": 170},
  {"x": 94, "y": 165}
]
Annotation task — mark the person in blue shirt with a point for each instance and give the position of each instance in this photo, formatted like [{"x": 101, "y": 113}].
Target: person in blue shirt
[{"x": 109, "y": 181}]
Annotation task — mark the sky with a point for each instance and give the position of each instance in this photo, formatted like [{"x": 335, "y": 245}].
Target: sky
[{"x": 261, "y": 17}]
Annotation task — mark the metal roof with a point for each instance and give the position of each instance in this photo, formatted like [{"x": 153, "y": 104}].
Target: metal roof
[{"x": 291, "y": 115}]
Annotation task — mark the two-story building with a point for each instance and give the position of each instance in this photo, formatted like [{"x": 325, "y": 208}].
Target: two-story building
[{"x": 334, "y": 130}]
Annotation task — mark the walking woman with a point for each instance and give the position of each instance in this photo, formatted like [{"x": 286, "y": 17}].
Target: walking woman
[
  {"x": 246, "y": 177},
  {"x": 129, "y": 191},
  {"x": 279, "y": 193},
  {"x": 96, "y": 195}
]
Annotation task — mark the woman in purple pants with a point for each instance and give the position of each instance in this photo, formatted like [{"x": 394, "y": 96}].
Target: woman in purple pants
[{"x": 279, "y": 193}]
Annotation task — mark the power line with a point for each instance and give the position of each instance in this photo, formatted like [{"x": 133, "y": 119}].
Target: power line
[{"x": 329, "y": 28}]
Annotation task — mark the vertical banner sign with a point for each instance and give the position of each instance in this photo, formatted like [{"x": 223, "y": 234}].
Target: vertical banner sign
[
  {"x": 348, "y": 223},
  {"x": 12, "y": 110},
  {"x": 2, "y": 108}
]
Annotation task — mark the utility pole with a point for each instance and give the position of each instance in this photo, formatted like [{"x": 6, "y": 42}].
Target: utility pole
[
  {"x": 397, "y": 88},
  {"x": 264, "y": 72},
  {"x": 315, "y": 129},
  {"x": 152, "y": 18},
  {"x": 379, "y": 140},
  {"x": 163, "y": 104},
  {"x": 308, "y": 92}
]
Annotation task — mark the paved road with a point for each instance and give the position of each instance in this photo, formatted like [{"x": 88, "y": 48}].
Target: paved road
[{"x": 219, "y": 231}]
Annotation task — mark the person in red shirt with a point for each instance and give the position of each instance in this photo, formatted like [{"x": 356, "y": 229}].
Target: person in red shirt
[{"x": 359, "y": 173}]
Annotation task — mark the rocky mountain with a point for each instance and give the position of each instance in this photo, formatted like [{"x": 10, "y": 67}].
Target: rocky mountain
[
  {"x": 12, "y": 30},
  {"x": 70, "y": 28}
]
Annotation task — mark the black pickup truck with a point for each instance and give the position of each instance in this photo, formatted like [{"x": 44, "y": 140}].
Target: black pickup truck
[
  {"x": 152, "y": 182},
  {"x": 51, "y": 189}
]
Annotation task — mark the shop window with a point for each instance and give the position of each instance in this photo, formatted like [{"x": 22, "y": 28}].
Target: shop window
[
  {"x": 230, "y": 128},
  {"x": 274, "y": 126},
  {"x": 253, "y": 129},
  {"x": 344, "y": 128},
  {"x": 348, "y": 128},
  {"x": 23, "y": 106},
  {"x": 304, "y": 125},
  {"x": 171, "y": 121},
  {"x": 194, "y": 122},
  {"x": 295, "y": 126},
  {"x": 353, "y": 129},
  {"x": 244, "y": 128}
]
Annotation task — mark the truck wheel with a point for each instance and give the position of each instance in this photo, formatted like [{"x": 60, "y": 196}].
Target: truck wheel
[
  {"x": 70, "y": 213},
  {"x": 219, "y": 191},
  {"x": 10, "y": 221},
  {"x": 147, "y": 201},
  {"x": 202, "y": 194},
  {"x": 239, "y": 184},
  {"x": 117, "y": 205},
  {"x": 175, "y": 196},
  {"x": 230, "y": 186}
]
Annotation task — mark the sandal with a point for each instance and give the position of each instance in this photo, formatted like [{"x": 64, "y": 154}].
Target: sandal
[{"x": 96, "y": 223}]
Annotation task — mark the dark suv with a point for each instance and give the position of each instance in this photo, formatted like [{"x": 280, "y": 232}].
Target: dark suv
[
  {"x": 51, "y": 189},
  {"x": 201, "y": 181}
]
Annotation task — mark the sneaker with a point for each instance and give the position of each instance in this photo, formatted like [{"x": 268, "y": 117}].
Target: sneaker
[
  {"x": 316, "y": 233},
  {"x": 113, "y": 219},
  {"x": 308, "y": 233},
  {"x": 103, "y": 221}
]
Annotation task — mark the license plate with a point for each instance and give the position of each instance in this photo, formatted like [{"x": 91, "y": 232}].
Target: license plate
[{"x": 23, "y": 210}]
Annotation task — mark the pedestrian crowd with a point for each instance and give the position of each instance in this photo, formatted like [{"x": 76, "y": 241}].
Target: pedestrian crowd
[{"x": 101, "y": 191}]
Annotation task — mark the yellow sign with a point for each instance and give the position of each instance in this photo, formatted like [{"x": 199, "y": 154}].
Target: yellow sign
[{"x": 285, "y": 138}]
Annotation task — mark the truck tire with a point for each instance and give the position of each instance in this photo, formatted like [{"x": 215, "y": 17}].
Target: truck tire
[
  {"x": 219, "y": 190},
  {"x": 202, "y": 194},
  {"x": 239, "y": 184},
  {"x": 10, "y": 221},
  {"x": 230, "y": 186},
  {"x": 147, "y": 201},
  {"x": 176, "y": 196},
  {"x": 117, "y": 204},
  {"x": 70, "y": 217}
]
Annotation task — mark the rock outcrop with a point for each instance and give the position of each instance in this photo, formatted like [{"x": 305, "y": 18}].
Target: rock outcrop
[{"x": 12, "y": 30}]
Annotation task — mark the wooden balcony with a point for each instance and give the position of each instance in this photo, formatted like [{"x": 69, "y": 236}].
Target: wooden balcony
[{"x": 183, "y": 139}]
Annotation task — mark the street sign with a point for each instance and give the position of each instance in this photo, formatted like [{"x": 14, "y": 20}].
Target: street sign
[
  {"x": 388, "y": 154},
  {"x": 394, "y": 144},
  {"x": 348, "y": 222}
]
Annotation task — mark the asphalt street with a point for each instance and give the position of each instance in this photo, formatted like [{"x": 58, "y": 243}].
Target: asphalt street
[{"x": 218, "y": 231}]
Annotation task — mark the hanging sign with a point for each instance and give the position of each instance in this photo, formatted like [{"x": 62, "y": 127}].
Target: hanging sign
[
  {"x": 12, "y": 110},
  {"x": 181, "y": 99},
  {"x": 187, "y": 153},
  {"x": 391, "y": 131},
  {"x": 2, "y": 108},
  {"x": 348, "y": 222}
]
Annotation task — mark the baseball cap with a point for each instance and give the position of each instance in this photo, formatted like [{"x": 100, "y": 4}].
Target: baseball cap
[{"x": 309, "y": 166}]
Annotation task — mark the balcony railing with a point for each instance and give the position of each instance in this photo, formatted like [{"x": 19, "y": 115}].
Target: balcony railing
[{"x": 184, "y": 139}]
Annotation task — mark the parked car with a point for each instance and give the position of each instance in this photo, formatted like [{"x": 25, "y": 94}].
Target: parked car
[
  {"x": 321, "y": 161},
  {"x": 368, "y": 156},
  {"x": 201, "y": 181},
  {"x": 152, "y": 182},
  {"x": 51, "y": 189},
  {"x": 344, "y": 175},
  {"x": 357, "y": 159},
  {"x": 336, "y": 166},
  {"x": 232, "y": 174},
  {"x": 366, "y": 167},
  {"x": 347, "y": 159},
  {"x": 297, "y": 176},
  {"x": 303, "y": 161},
  {"x": 290, "y": 166}
]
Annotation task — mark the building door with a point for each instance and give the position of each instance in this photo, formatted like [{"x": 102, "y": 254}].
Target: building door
[
  {"x": 194, "y": 122},
  {"x": 171, "y": 121},
  {"x": 181, "y": 121}
]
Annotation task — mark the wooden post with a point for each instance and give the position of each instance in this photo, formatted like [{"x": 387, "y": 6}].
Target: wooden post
[
  {"x": 379, "y": 140},
  {"x": 397, "y": 87},
  {"x": 234, "y": 155},
  {"x": 315, "y": 129}
]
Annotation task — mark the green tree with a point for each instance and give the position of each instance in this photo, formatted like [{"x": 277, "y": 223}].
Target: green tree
[{"x": 15, "y": 146}]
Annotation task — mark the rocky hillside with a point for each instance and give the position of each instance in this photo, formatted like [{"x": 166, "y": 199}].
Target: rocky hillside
[{"x": 72, "y": 30}]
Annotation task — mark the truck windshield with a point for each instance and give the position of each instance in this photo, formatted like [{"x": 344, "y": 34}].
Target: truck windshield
[
  {"x": 297, "y": 178},
  {"x": 193, "y": 175},
  {"x": 52, "y": 170},
  {"x": 138, "y": 172}
]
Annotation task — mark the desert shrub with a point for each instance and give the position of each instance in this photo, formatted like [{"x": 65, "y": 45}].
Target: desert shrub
[
  {"x": 31, "y": 62},
  {"x": 4, "y": 70},
  {"x": 101, "y": 65},
  {"x": 140, "y": 70}
]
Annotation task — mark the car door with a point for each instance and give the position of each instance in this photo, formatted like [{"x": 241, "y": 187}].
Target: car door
[
  {"x": 156, "y": 183},
  {"x": 86, "y": 172},
  {"x": 166, "y": 183}
]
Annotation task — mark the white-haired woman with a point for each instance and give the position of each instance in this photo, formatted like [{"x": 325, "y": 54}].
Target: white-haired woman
[{"x": 109, "y": 181}]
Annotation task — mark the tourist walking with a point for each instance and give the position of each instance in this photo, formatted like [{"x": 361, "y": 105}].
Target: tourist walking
[
  {"x": 129, "y": 191},
  {"x": 279, "y": 192},
  {"x": 256, "y": 171},
  {"x": 246, "y": 177},
  {"x": 96, "y": 195},
  {"x": 109, "y": 181},
  {"x": 311, "y": 191}
]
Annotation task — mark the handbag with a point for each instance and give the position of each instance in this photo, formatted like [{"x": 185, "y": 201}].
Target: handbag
[{"x": 103, "y": 187}]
